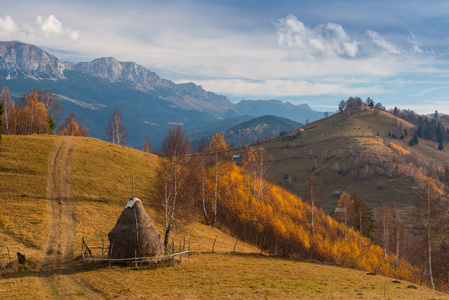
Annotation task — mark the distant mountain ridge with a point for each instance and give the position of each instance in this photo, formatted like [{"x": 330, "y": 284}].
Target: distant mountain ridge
[
  {"x": 152, "y": 102},
  {"x": 257, "y": 129},
  {"x": 298, "y": 113}
]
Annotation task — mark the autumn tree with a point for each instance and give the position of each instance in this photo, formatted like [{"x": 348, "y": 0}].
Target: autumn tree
[
  {"x": 218, "y": 149},
  {"x": 343, "y": 210},
  {"x": 255, "y": 165},
  {"x": 174, "y": 188},
  {"x": 146, "y": 146},
  {"x": 115, "y": 130},
  {"x": 361, "y": 218},
  {"x": 397, "y": 229},
  {"x": 312, "y": 197},
  {"x": 384, "y": 227},
  {"x": 431, "y": 219},
  {"x": 32, "y": 115},
  {"x": 2, "y": 111},
  {"x": 72, "y": 127},
  {"x": 51, "y": 102},
  {"x": 9, "y": 116},
  {"x": 203, "y": 155}
]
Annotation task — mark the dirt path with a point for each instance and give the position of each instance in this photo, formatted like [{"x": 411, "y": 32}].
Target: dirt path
[{"x": 58, "y": 272}]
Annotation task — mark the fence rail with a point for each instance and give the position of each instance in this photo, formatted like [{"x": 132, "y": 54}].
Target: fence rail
[{"x": 86, "y": 252}]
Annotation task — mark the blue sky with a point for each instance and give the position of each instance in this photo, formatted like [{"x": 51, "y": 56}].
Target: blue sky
[{"x": 315, "y": 52}]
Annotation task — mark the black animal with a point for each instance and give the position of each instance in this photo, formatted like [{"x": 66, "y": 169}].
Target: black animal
[{"x": 21, "y": 258}]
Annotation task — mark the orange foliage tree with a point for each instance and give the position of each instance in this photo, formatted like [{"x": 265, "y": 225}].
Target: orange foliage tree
[
  {"x": 72, "y": 127},
  {"x": 35, "y": 114},
  {"x": 281, "y": 225}
]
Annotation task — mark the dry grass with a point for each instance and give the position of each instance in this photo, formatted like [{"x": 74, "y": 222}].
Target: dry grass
[
  {"x": 100, "y": 186},
  {"x": 250, "y": 276},
  {"x": 320, "y": 151},
  {"x": 23, "y": 193}
]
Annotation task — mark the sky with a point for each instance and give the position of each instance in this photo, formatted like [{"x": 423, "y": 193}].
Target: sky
[{"x": 315, "y": 52}]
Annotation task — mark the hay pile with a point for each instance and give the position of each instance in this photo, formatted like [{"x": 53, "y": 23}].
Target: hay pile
[{"x": 134, "y": 234}]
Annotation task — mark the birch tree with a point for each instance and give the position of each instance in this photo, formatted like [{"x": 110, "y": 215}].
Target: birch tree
[
  {"x": 255, "y": 165},
  {"x": 430, "y": 219},
  {"x": 9, "y": 115},
  {"x": 384, "y": 221},
  {"x": 146, "y": 146},
  {"x": 344, "y": 205},
  {"x": 218, "y": 148},
  {"x": 173, "y": 184},
  {"x": 312, "y": 196},
  {"x": 1, "y": 119},
  {"x": 115, "y": 130}
]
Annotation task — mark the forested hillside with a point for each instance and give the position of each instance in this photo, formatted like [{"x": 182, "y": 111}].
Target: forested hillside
[{"x": 366, "y": 152}]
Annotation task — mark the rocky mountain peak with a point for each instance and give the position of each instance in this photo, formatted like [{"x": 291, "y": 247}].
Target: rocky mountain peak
[
  {"x": 112, "y": 70},
  {"x": 23, "y": 60}
]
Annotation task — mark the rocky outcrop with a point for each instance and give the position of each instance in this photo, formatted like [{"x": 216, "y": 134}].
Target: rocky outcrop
[
  {"x": 112, "y": 70},
  {"x": 19, "y": 60},
  {"x": 184, "y": 95}
]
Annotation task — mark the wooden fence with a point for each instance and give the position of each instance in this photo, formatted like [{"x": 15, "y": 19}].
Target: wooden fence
[{"x": 100, "y": 255}]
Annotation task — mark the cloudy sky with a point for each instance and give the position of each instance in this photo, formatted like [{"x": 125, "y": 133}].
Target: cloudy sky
[{"x": 315, "y": 52}]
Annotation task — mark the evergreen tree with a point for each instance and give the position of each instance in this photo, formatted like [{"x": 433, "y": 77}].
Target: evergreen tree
[{"x": 440, "y": 146}]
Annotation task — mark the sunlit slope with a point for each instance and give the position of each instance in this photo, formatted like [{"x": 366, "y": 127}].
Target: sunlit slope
[
  {"x": 100, "y": 184},
  {"x": 336, "y": 150}
]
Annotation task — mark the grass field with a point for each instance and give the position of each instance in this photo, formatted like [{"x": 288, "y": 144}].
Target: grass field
[
  {"x": 100, "y": 185},
  {"x": 337, "y": 142}
]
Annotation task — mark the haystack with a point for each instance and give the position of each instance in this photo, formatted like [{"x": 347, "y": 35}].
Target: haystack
[{"x": 134, "y": 234}]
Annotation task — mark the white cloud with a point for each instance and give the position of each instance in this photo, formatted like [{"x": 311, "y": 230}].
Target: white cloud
[
  {"x": 416, "y": 45},
  {"x": 7, "y": 25},
  {"x": 381, "y": 42},
  {"x": 324, "y": 40},
  {"x": 51, "y": 26},
  {"x": 282, "y": 88},
  {"x": 43, "y": 31}
]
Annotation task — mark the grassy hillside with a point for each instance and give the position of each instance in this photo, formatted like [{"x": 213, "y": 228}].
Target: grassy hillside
[
  {"x": 336, "y": 150},
  {"x": 100, "y": 185}
]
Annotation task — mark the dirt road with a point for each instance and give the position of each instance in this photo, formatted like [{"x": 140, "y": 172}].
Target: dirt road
[{"x": 58, "y": 272}]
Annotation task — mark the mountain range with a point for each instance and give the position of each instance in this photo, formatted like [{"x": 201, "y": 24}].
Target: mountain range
[{"x": 149, "y": 104}]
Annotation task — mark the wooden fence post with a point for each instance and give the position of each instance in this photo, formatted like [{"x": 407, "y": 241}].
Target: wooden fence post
[
  {"x": 214, "y": 243},
  {"x": 173, "y": 250},
  {"x": 110, "y": 255},
  {"x": 235, "y": 245}
]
